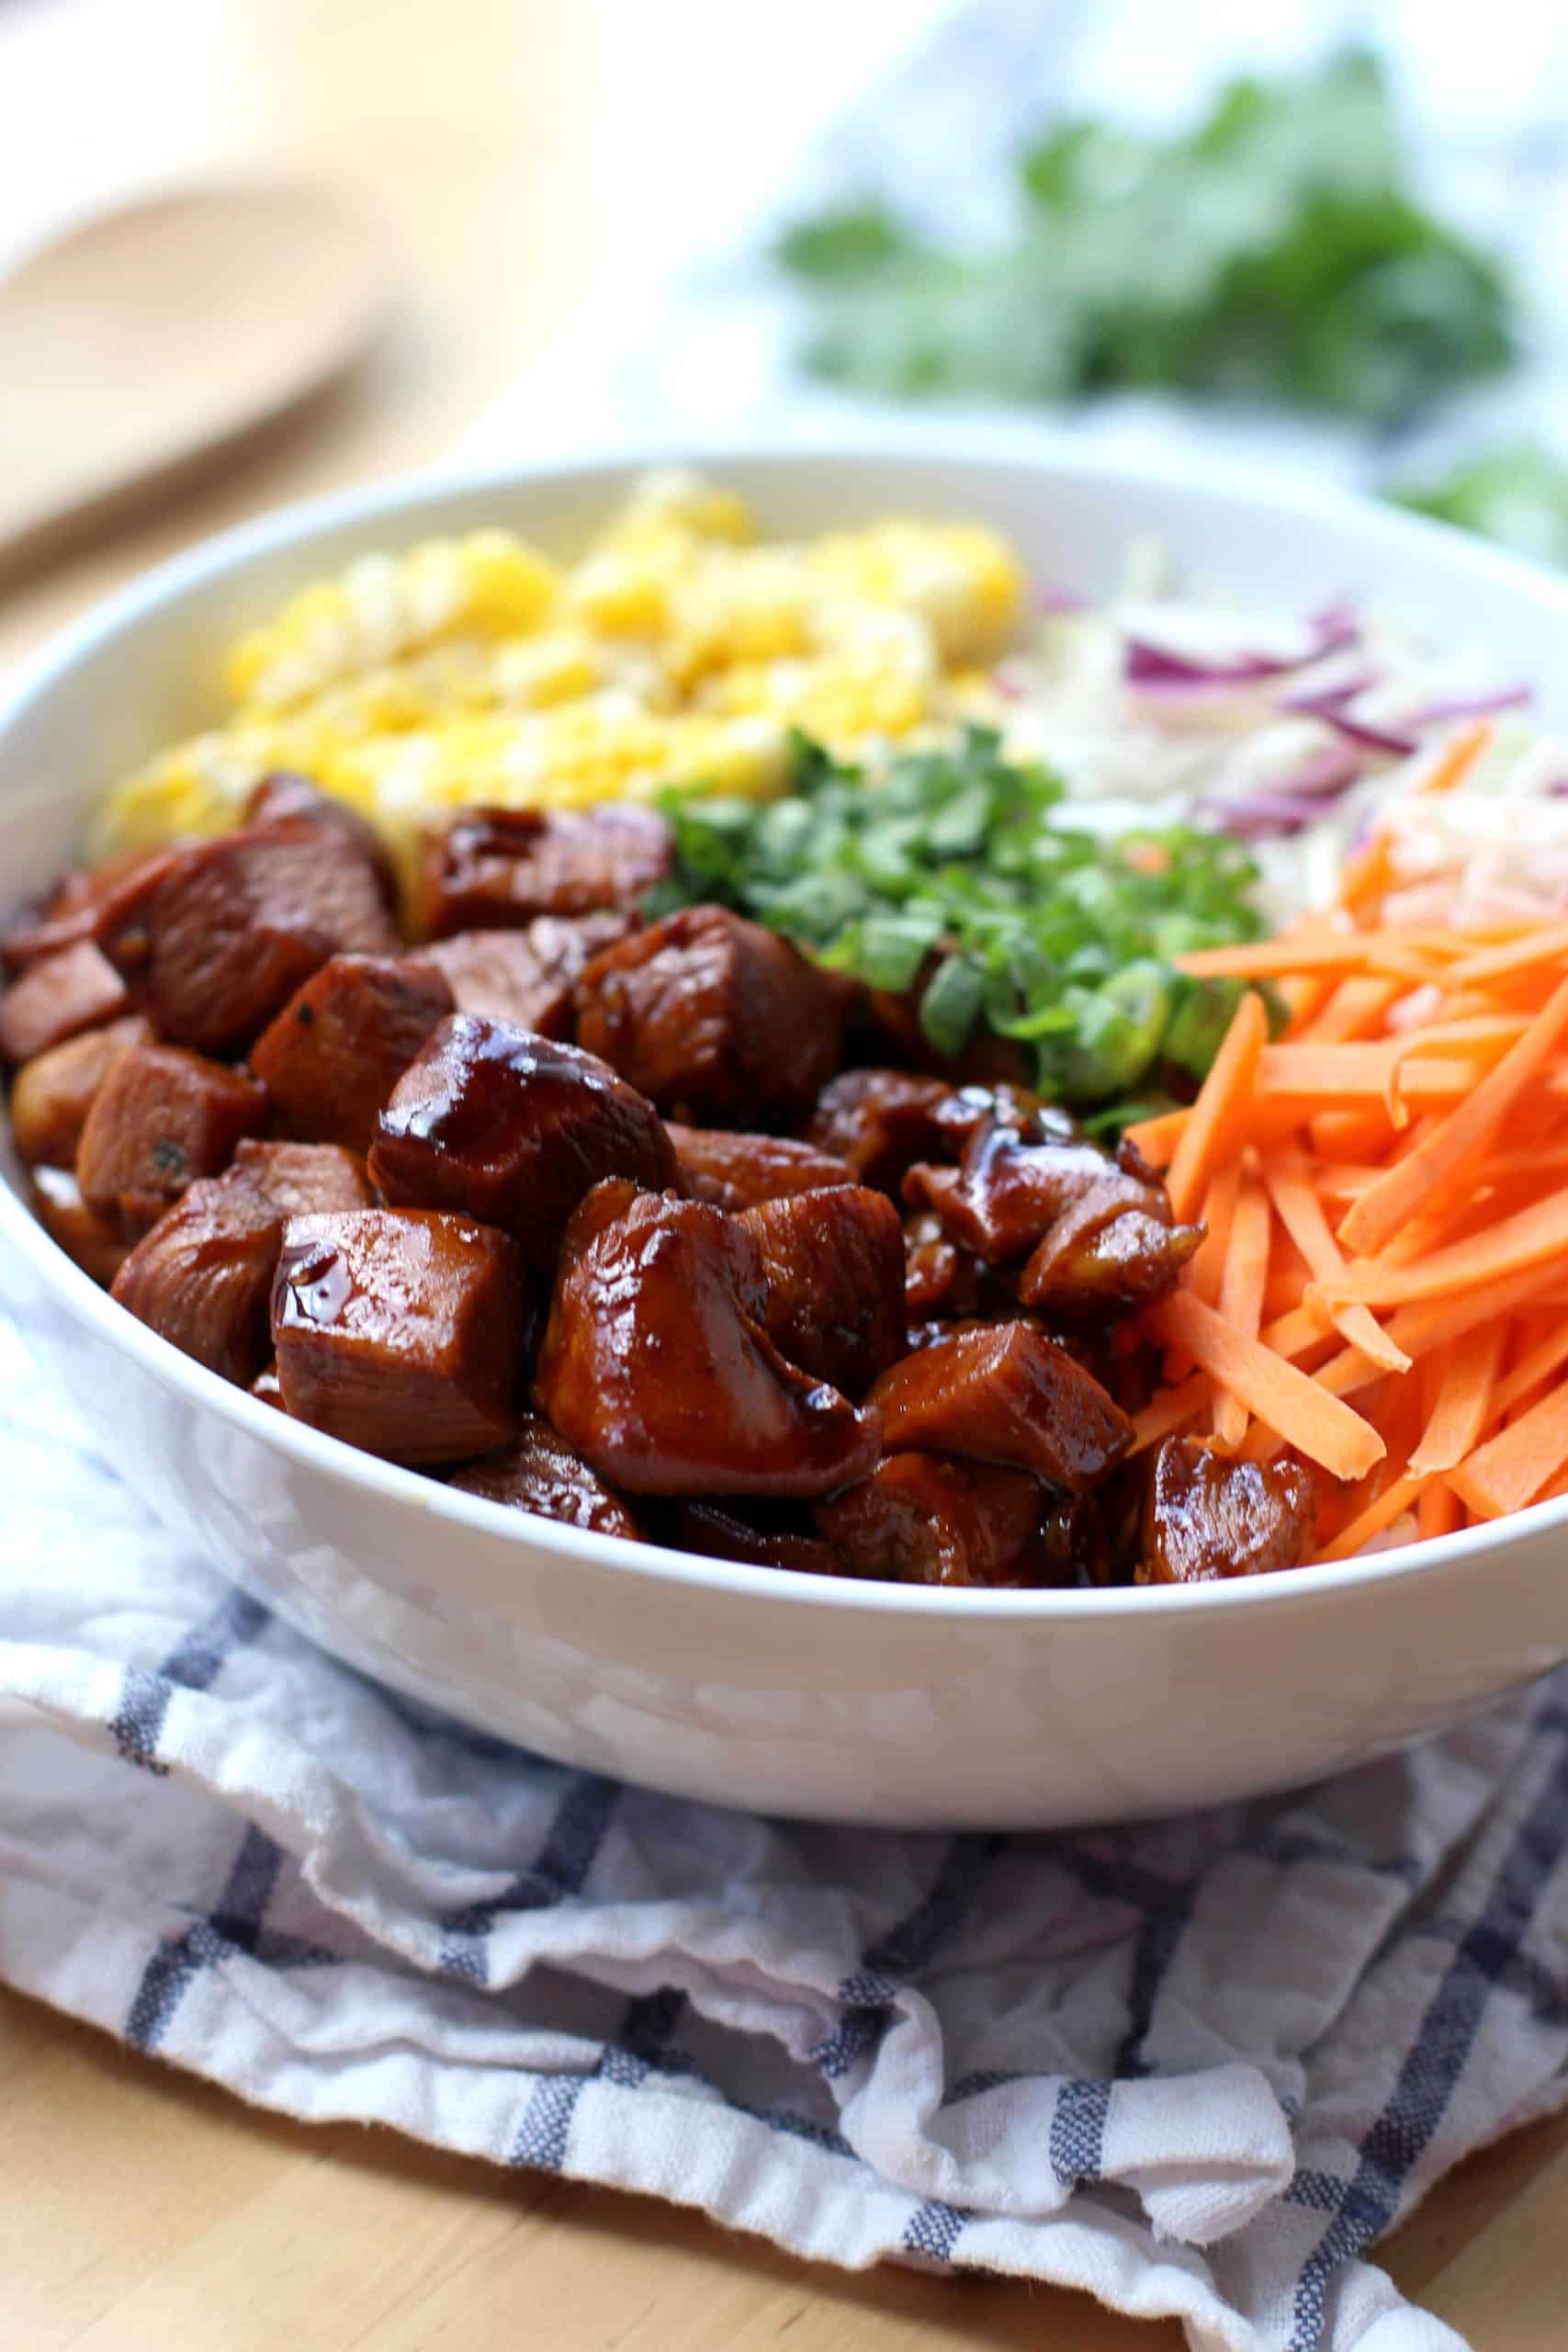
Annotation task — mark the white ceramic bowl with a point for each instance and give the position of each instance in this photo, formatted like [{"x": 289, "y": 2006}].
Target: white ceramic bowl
[{"x": 785, "y": 1692}]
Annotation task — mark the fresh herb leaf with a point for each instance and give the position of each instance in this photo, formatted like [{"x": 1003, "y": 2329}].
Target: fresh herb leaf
[
  {"x": 1274, "y": 252},
  {"x": 1517, "y": 494},
  {"x": 951, "y": 877}
]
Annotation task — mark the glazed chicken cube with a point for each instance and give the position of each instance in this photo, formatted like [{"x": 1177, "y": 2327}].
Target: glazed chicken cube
[
  {"x": 526, "y": 978},
  {"x": 926, "y": 1518},
  {"x": 303, "y": 1178},
  {"x": 539, "y": 1471},
  {"x": 513, "y": 1129},
  {"x": 57, "y": 997},
  {"x": 1127, "y": 1260},
  {"x": 880, "y": 1121},
  {"x": 283, "y": 795},
  {"x": 712, "y": 1017},
  {"x": 741, "y": 1171},
  {"x": 1205, "y": 1517},
  {"x": 1005, "y": 1393},
  {"x": 74, "y": 908},
  {"x": 340, "y": 1044},
  {"x": 202, "y": 1277},
  {"x": 160, "y": 1117},
  {"x": 401, "y": 1331},
  {"x": 657, "y": 1364},
  {"x": 217, "y": 937},
  {"x": 52, "y": 1095},
  {"x": 490, "y": 866},
  {"x": 833, "y": 1263},
  {"x": 719, "y": 1533}
]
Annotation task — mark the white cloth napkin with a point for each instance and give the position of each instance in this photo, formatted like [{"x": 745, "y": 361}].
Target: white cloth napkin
[{"x": 1197, "y": 2068}]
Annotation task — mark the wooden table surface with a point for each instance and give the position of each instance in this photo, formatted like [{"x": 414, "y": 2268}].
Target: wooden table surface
[{"x": 138, "y": 2208}]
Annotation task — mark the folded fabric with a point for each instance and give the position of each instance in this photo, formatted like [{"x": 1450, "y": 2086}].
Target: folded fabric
[{"x": 1196, "y": 2067}]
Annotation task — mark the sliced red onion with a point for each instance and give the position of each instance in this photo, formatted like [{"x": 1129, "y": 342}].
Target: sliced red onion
[
  {"x": 1330, "y": 704},
  {"x": 1149, "y": 665},
  {"x": 1261, "y": 816},
  {"x": 1326, "y": 775},
  {"x": 1473, "y": 706}
]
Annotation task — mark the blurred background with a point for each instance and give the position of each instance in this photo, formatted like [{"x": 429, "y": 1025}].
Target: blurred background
[{"x": 1325, "y": 238}]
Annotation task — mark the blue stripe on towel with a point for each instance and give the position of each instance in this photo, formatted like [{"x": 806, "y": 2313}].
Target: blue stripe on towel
[
  {"x": 194, "y": 1664},
  {"x": 868, "y": 1992},
  {"x": 1443, "y": 2042},
  {"x": 235, "y": 1925},
  {"x": 565, "y": 1860}
]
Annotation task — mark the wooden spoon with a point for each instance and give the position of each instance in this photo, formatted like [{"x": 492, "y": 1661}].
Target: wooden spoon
[{"x": 164, "y": 329}]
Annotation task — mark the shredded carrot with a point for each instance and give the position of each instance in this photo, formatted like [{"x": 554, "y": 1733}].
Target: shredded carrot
[
  {"x": 1208, "y": 1261},
  {"x": 1316, "y": 1424},
  {"x": 1241, "y": 1294},
  {"x": 1464, "y": 1401},
  {"x": 1528, "y": 1237},
  {"x": 1402, "y": 1494},
  {"x": 1330, "y": 1073},
  {"x": 1157, "y": 1138},
  {"x": 1548, "y": 944},
  {"x": 1170, "y": 1410},
  {"x": 1351, "y": 1134},
  {"x": 1355, "y": 1010},
  {"x": 1464, "y": 1136},
  {"x": 1511, "y": 1468},
  {"x": 1438, "y": 1510},
  {"x": 1213, "y": 1130},
  {"x": 1289, "y": 1180},
  {"x": 1538, "y": 1363}
]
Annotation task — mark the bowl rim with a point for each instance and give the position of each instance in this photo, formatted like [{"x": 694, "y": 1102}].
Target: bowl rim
[{"x": 1007, "y": 447}]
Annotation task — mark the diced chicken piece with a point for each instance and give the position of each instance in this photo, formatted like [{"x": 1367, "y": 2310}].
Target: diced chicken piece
[
  {"x": 923, "y": 1519},
  {"x": 283, "y": 795},
  {"x": 880, "y": 1121},
  {"x": 401, "y": 1331},
  {"x": 73, "y": 909},
  {"x": 1204, "y": 1517},
  {"x": 202, "y": 1277},
  {"x": 1009, "y": 1188},
  {"x": 657, "y": 1364},
  {"x": 217, "y": 937},
  {"x": 162, "y": 1117},
  {"x": 833, "y": 1263},
  {"x": 98, "y": 1244},
  {"x": 719, "y": 1533},
  {"x": 513, "y": 1129},
  {"x": 526, "y": 978},
  {"x": 56, "y": 998},
  {"x": 340, "y": 1044},
  {"x": 539, "y": 1471},
  {"x": 504, "y": 866},
  {"x": 306, "y": 1179},
  {"x": 52, "y": 1095},
  {"x": 741, "y": 1171},
  {"x": 1005, "y": 1393},
  {"x": 939, "y": 1278},
  {"x": 1131, "y": 1260},
  {"x": 712, "y": 1017}
]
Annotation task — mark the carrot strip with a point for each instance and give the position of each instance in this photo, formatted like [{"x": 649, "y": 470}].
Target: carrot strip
[
  {"x": 1215, "y": 1128},
  {"x": 1166, "y": 1413},
  {"x": 1511, "y": 1468},
  {"x": 1438, "y": 1510},
  {"x": 1547, "y": 944},
  {"x": 1157, "y": 1138},
  {"x": 1299, "y": 1210},
  {"x": 1536, "y": 1365},
  {"x": 1353, "y": 1011},
  {"x": 1526, "y": 1238},
  {"x": 1345, "y": 951},
  {"x": 1350, "y": 1134},
  {"x": 1317, "y": 1425},
  {"x": 1402, "y": 1494},
  {"x": 1461, "y": 1138},
  {"x": 1368, "y": 871},
  {"x": 1465, "y": 1401},
  {"x": 1241, "y": 1294},
  {"x": 1207, "y": 1266},
  {"x": 1326, "y": 1073}
]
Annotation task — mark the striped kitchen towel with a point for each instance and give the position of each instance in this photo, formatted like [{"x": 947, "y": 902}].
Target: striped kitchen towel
[{"x": 1197, "y": 2067}]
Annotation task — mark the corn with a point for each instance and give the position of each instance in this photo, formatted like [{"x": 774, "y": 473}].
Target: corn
[{"x": 676, "y": 651}]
